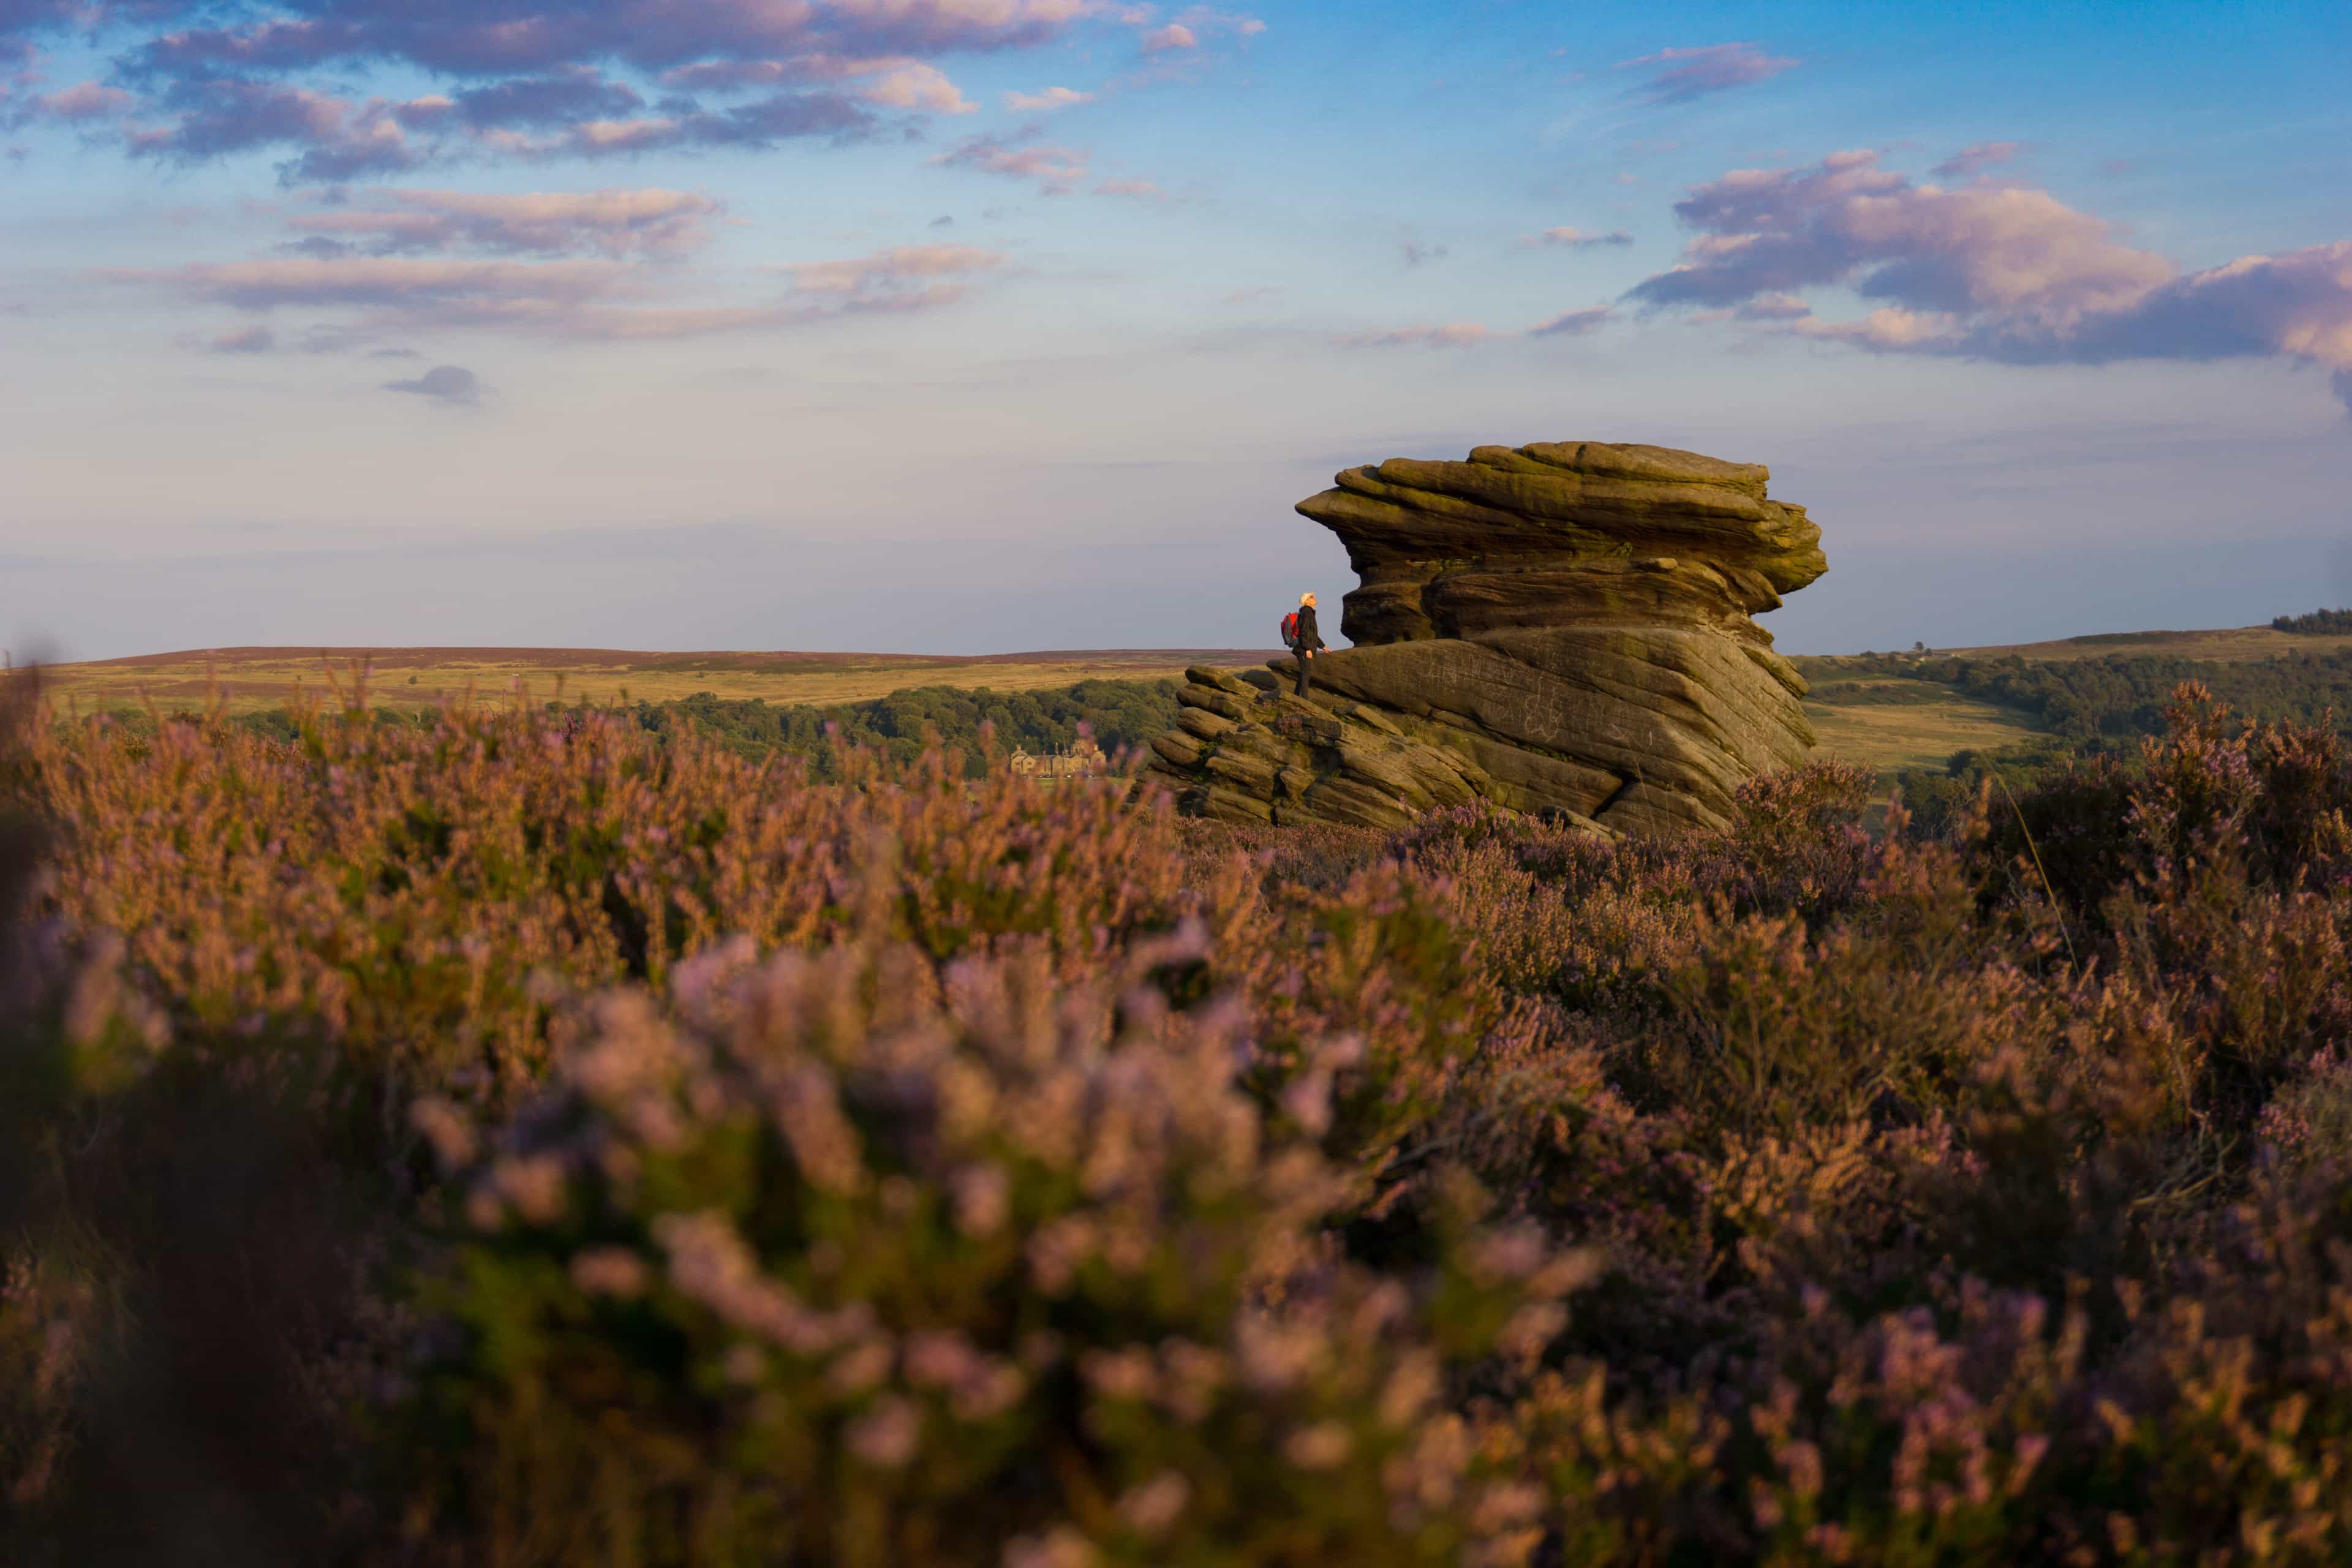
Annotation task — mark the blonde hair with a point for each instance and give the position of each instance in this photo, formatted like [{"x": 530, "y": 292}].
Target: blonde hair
[{"x": 1307, "y": 597}]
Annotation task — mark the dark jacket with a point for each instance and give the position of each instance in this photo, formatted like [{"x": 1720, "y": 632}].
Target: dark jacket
[{"x": 1309, "y": 638}]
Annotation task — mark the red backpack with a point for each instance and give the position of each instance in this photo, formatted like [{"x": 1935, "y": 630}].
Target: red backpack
[{"x": 1290, "y": 629}]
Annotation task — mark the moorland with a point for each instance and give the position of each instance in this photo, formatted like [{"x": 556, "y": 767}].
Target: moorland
[{"x": 497, "y": 1133}]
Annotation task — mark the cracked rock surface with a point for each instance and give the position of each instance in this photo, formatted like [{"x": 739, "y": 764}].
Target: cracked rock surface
[{"x": 1564, "y": 627}]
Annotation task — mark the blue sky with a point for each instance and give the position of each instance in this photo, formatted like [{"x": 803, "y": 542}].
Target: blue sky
[{"x": 979, "y": 325}]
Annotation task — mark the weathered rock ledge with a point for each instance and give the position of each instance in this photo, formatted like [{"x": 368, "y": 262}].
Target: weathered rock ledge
[{"x": 1563, "y": 627}]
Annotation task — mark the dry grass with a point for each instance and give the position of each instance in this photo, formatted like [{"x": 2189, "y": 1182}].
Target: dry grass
[
  {"x": 417, "y": 678},
  {"x": 1887, "y": 739},
  {"x": 2228, "y": 645}
]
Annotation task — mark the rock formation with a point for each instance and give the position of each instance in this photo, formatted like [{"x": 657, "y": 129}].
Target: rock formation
[{"x": 1562, "y": 627}]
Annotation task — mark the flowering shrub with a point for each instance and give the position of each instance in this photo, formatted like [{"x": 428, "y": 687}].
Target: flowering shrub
[
  {"x": 496, "y": 1140},
  {"x": 852, "y": 1261}
]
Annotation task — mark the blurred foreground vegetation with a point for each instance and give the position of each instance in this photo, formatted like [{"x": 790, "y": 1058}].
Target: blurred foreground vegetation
[{"x": 535, "y": 1137}]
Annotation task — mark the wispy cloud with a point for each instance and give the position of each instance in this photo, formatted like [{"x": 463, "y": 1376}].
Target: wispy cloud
[
  {"x": 1576, "y": 238},
  {"x": 650, "y": 222},
  {"x": 1141, "y": 189},
  {"x": 87, "y": 100},
  {"x": 1970, "y": 162},
  {"x": 1573, "y": 323},
  {"x": 1680, "y": 76},
  {"x": 1045, "y": 102},
  {"x": 1452, "y": 334},
  {"x": 1016, "y": 155},
  {"x": 243, "y": 341},
  {"x": 905, "y": 278}
]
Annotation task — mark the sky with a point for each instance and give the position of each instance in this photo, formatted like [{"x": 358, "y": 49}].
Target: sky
[{"x": 961, "y": 326}]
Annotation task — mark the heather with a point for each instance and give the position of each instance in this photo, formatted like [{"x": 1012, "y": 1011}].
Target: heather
[{"x": 528, "y": 1139}]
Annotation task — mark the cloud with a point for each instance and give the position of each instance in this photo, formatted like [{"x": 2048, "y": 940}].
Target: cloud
[
  {"x": 649, "y": 222},
  {"x": 1415, "y": 254},
  {"x": 1687, "y": 74},
  {"x": 534, "y": 78},
  {"x": 524, "y": 288},
  {"x": 560, "y": 98},
  {"x": 1452, "y": 334},
  {"x": 1573, "y": 323},
  {"x": 753, "y": 126},
  {"x": 342, "y": 140},
  {"x": 1142, "y": 189},
  {"x": 898, "y": 279},
  {"x": 1011, "y": 154},
  {"x": 1577, "y": 238},
  {"x": 1175, "y": 35},
  {"x": 1045, "y": 102},
  {"x": 1773, "y": 307},
  {"x": 919, "y": 87},
  {"x": 89, "y": 101},
  {"x": 2013, "y": 252},
  {"x": 245, "y": 341},
  {"x": 450, "y": 385},
  {"x": 489, "y": 37},
  {"x": 1989, "y": 271},
  {"x": 1974, "y": 160}
]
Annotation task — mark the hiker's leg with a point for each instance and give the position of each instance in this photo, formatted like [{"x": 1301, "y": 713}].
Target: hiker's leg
[{"x": 1305, "y": 665}]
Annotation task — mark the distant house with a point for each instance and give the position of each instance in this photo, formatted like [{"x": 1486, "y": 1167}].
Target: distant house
[{"x": 1084, "y": 760}]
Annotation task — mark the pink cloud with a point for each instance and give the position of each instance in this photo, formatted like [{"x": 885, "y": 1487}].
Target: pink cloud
[
  {"x": 1972, "y": 161},
  {"x": 2001, "y": 272},
  {"x": 1044, "y": 103},
  {"x": 870, "y": 278},
  {"x": 613, "y": 222},
  {"x": 732, "y": 75},
  {"x": 1452, "y": 334},
  {"x": 1573, "y": 323},
  {"x": 1687, "y": 74},
  {"x": 385, "y": 280},
  {"x": 1143, "y": 189},
  {"x": 1175, "y": 35},
  {"x": 917, "y": 87},
  {"x": 88, "y": 100},
  {"x": 1773, "y": 307},
  {"x": 2011, "y": 251},
  {"x": 1012, "y": 154},
  {"x": 522, "y": 36}
]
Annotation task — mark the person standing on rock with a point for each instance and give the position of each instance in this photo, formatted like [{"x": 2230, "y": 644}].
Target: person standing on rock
[{"x": 1305, "y": 640}]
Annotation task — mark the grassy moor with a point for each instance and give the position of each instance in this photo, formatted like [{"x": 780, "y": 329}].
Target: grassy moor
[{"x": 248, "y": 680}]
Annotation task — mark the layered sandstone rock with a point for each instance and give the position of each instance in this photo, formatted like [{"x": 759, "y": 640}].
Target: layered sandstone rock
[{"x": 1562, "y": 627}]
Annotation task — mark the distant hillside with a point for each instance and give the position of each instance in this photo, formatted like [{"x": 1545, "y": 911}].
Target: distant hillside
[
  {"x": 251, "y": 678},
  {"x": 1918, "y": 709},
  {"x": 1892, "y": 711}
]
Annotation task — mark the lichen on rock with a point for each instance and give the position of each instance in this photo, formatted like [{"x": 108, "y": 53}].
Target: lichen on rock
[{"x": 1565, "y": 627}]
